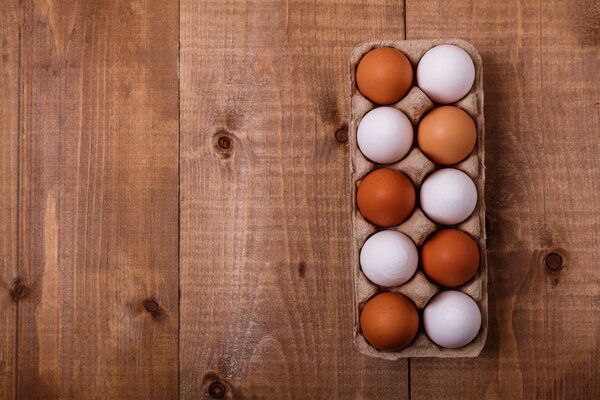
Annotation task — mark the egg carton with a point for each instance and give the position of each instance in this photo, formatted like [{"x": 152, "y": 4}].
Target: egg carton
[{"x": 417, "y": 226}]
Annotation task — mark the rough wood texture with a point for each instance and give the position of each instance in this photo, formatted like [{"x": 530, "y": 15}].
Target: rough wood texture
[
  {"x": 9, "y": 176},
  {"x": 88, "y": 199},
  {"x": 97, "y": 197},
  {"x": 541, "y": 72},
  {"x": 266, "y": 282}
]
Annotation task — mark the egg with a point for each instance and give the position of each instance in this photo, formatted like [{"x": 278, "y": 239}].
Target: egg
[
  {"x": 450, "y": 257},
  {"x": 452, "y": 319},
  {"x": 389, "y": 258},
  {"x": 384, "y": 75},
  {"x": 385, "y": 197},
  {"x": 448, "y": 196},
  {"x": 389, "y": 321},
  {"x": 447, "y": 135},
  {"x": 445, "y": 73},
  {"x": 384, "y": 135}
]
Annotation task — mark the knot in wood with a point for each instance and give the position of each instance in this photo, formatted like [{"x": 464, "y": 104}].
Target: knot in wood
[
  {"x": 151, "y": 305},
  {"x": 217, "y": 390},
  {"x": 554, "y": 261},
  {"x": 18, "y": 290},
  {"x": 301, "y": 268},
  {"x": 341, "y": 135},
  {"x": 224, "y": 142}
]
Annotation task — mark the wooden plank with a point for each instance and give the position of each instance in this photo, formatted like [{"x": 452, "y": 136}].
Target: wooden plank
[
  {"x": 266, "y": 290},
  {"x": 543, "y": 164},
  {"x": 98, "y": 200},
  {"x": 9, "y": 175}
]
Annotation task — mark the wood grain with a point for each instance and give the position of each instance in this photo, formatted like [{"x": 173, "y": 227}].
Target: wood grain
[
  {"x": 540, "y": 76},
  {"x": 89, "y": 181},
  {"x": 266, "y": 289},
  {"x": 98, "y": 215},
  {"x": 9, "y": 177}
]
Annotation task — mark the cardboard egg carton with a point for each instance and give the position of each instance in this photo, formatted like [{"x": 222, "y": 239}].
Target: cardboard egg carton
[{"x": 417, "y": 226}]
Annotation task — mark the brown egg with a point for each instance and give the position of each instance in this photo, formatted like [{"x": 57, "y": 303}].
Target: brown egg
[
  {"x": 447, "y": 135},
  {"x": 389, "y": 321},
  {"x": 450, "y": 257},
  {"x": 384, "y": 75},
  {"x": 385, "y": 197}
]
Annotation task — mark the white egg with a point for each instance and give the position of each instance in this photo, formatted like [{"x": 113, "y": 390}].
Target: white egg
[
  {"x": 445, "y": 73},
  {"x": 448, "y": 196},
  {"x": 384, "y": 135},
  {"x": 389, "y": 258},
  {"x": 452, "y": 319}
]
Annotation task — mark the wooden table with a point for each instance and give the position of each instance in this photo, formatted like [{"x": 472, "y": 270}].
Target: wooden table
[{"x": 175, "y": 207}]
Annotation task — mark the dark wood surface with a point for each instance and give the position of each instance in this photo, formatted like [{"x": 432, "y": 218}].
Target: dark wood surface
[
  {"x": 266, "y": 290},
  {"x": 175, "y": 212},
  {"x": 91, "y": 118},
  {"x": 9, "y": 198}
]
